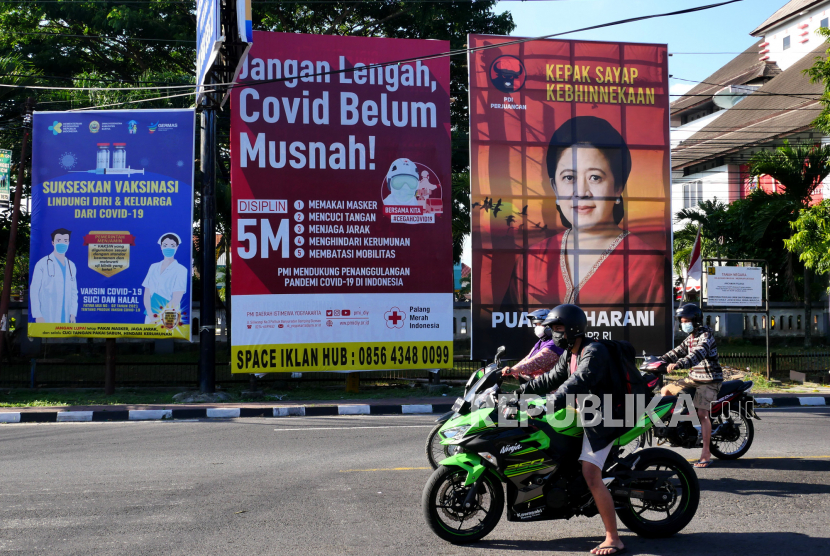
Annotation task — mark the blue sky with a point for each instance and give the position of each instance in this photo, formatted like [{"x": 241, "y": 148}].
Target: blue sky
[{"x": 723, "y": 29}]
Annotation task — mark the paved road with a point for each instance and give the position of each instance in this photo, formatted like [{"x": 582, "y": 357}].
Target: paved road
[{"x": 352, "y": 485}]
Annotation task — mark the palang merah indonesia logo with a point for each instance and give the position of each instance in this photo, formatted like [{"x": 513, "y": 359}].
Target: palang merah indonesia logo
[
  {"x": 507, "y": 74},
  {"x": 55, "y": 128},
  {"x": 394, "y": 318}
]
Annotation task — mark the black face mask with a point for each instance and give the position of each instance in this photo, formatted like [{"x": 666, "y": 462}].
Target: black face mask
[{"x": 560, "y": 340}]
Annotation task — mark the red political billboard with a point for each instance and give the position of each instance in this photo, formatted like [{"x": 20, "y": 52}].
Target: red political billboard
[
  {"x": 571, "y": 184},
  {"x": 342, "y": 247}
]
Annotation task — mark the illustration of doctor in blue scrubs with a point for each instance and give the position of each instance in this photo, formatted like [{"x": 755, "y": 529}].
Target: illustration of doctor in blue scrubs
[
  {"x": 166, "y": 281},
  {"x": 54, "y": 289}
]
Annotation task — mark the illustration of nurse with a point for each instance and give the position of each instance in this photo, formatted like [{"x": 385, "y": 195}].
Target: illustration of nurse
[{"x": 166, "y": 281}]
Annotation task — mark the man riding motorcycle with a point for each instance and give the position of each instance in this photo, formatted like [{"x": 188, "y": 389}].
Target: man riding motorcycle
[
  {"x": 584, "y": 369},
  {"x": 544, "y": 354},
  {"x": 697, "y": 352}
]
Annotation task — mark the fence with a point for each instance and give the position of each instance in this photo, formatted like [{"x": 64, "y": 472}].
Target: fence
[{"x": 54, "y": 374}]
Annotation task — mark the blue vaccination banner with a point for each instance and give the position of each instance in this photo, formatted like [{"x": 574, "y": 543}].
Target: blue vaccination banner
[{"x": 112, "y": 220}]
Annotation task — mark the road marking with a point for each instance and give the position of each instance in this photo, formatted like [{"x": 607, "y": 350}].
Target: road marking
[
  {"x": 352, "y": 428},
  {"x": 385, "y": 469}
]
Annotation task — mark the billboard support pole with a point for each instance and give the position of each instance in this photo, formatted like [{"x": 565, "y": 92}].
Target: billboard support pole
[
  {"x": 5, "y": 299},
  {"x": 109, "y": 371},
  {"x": 207, "y": 310}
]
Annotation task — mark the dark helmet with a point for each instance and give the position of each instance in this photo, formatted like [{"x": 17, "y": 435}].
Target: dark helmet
[
  {"x": 571, "y": 317},
  {"x": 692, "y": 312},
  {"x": 538, "y": 316}
]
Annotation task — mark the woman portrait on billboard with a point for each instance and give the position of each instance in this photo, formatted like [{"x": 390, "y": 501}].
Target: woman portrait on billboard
[{"x": 595, "y": 259}]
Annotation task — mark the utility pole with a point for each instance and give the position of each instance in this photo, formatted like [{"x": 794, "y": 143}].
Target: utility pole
[
  {"x": 207, "y": 310},
  {"x": 5, "y": 299}
]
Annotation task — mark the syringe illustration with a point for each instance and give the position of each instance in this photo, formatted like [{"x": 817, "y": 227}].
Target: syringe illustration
[{"x": 119, "y": 161}]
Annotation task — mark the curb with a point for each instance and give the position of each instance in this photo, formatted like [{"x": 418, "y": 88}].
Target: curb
[
  {"x": 300, "y": 411},
  {"x": 793, "y": 401},
  {"x": 218, "y": 413}
]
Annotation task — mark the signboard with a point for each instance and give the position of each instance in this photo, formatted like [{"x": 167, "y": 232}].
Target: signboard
[
  {"x": 734, "y": 286},
  {"x": 112, "y": 213},
  {"x": 208, "y": 41},
  {"x": 571, "y": 202},
  {"x": 341, "y": 205},
  {"x": 5, "y": 183}
]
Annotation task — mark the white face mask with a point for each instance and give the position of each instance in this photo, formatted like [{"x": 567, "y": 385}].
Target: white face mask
[
  {"x": 541, "y": 331},
  {"x": 687, "y": 327}
]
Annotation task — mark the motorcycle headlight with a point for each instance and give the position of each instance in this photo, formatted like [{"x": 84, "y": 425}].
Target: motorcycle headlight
[{"x": 455, "y": 433}]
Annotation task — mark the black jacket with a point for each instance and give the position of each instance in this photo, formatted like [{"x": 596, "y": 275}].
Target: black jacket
[{"x": 592, "y": 376}]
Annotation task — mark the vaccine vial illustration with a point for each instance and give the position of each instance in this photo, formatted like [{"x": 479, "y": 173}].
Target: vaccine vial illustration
[
  {"x": 103, "y": 156},
  {"x": 119, "y": 157},
  {"x": 119, "y": 161}
]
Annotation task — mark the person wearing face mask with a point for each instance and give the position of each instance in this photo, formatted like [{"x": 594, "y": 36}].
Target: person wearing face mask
[
  {"x": 544, "y": 354},
  {"x": 402, "y": 183},
  {"x": 586, "y": 368},
  {"x": 54, "y": 289},
  {"x": 697, "y": 352},
  {"x": 166, "y": 281}
]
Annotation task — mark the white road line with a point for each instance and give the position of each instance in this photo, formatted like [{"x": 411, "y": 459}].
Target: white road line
[{"x": 353, "y": 428}]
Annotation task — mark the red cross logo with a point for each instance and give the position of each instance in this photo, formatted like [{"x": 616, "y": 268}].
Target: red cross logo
[{"x": 395, "y": 318}]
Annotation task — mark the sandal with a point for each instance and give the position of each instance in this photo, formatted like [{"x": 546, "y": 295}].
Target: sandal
[{"x": 702, "y": 464}]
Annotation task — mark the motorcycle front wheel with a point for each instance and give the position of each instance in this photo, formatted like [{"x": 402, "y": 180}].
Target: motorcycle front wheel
[
  {"x": 735, "y": 436},
  {"x": 437, "y": 452},
  {"x": 445, "y": 511},
  {"x": 653, "y": 519}
]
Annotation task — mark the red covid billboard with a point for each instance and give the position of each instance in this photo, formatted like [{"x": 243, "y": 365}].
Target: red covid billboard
[
  {"x": 342, "y": 247},
  {"x": 571, "y": 184}
]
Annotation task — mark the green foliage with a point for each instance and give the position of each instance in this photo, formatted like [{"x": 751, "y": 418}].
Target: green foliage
[
  {"x": 811, "y": 237},
  {"x": 799, "y": 169}
]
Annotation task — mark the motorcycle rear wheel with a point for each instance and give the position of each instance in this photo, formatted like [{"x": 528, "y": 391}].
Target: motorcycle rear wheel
[
  {"x": 437, "y": 452},
  {"x": 734, "y": 448},
  {"x": 641, "y": 516},
  {"x": 442, "y": 503}
]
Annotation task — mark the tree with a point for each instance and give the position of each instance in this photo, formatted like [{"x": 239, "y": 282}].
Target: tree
[
  {"x": 811, "y": 237},
  {"x": 799, "y": 169}
]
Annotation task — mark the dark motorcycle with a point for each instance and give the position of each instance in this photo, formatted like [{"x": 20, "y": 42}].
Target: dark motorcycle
[{"x": 731, "y": 415}]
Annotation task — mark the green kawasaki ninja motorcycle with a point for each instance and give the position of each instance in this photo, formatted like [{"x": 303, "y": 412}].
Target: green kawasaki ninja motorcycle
[{"x": 656, "y": 491}]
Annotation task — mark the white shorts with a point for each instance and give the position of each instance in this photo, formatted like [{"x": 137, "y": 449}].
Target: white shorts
[{"x": 597, "y": 458}]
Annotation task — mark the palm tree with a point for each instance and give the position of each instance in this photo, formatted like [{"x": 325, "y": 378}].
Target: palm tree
[{"x": 799, "y": 169}]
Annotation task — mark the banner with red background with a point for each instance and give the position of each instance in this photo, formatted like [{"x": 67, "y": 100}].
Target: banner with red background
[
  {"x": 570, "y": 189},
  {"x": 342, "y": 247}
]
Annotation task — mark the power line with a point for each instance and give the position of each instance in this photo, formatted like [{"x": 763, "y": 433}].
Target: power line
[{"x": 117, "y": 37}]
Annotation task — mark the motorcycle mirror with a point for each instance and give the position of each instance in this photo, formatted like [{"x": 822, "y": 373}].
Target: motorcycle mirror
[{"x": 498, "y": 352}]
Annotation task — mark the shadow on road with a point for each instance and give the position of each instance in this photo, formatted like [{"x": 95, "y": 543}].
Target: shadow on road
[
  {"x": 692, "y": 544},
  {"x": 772, "y": 464}
]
